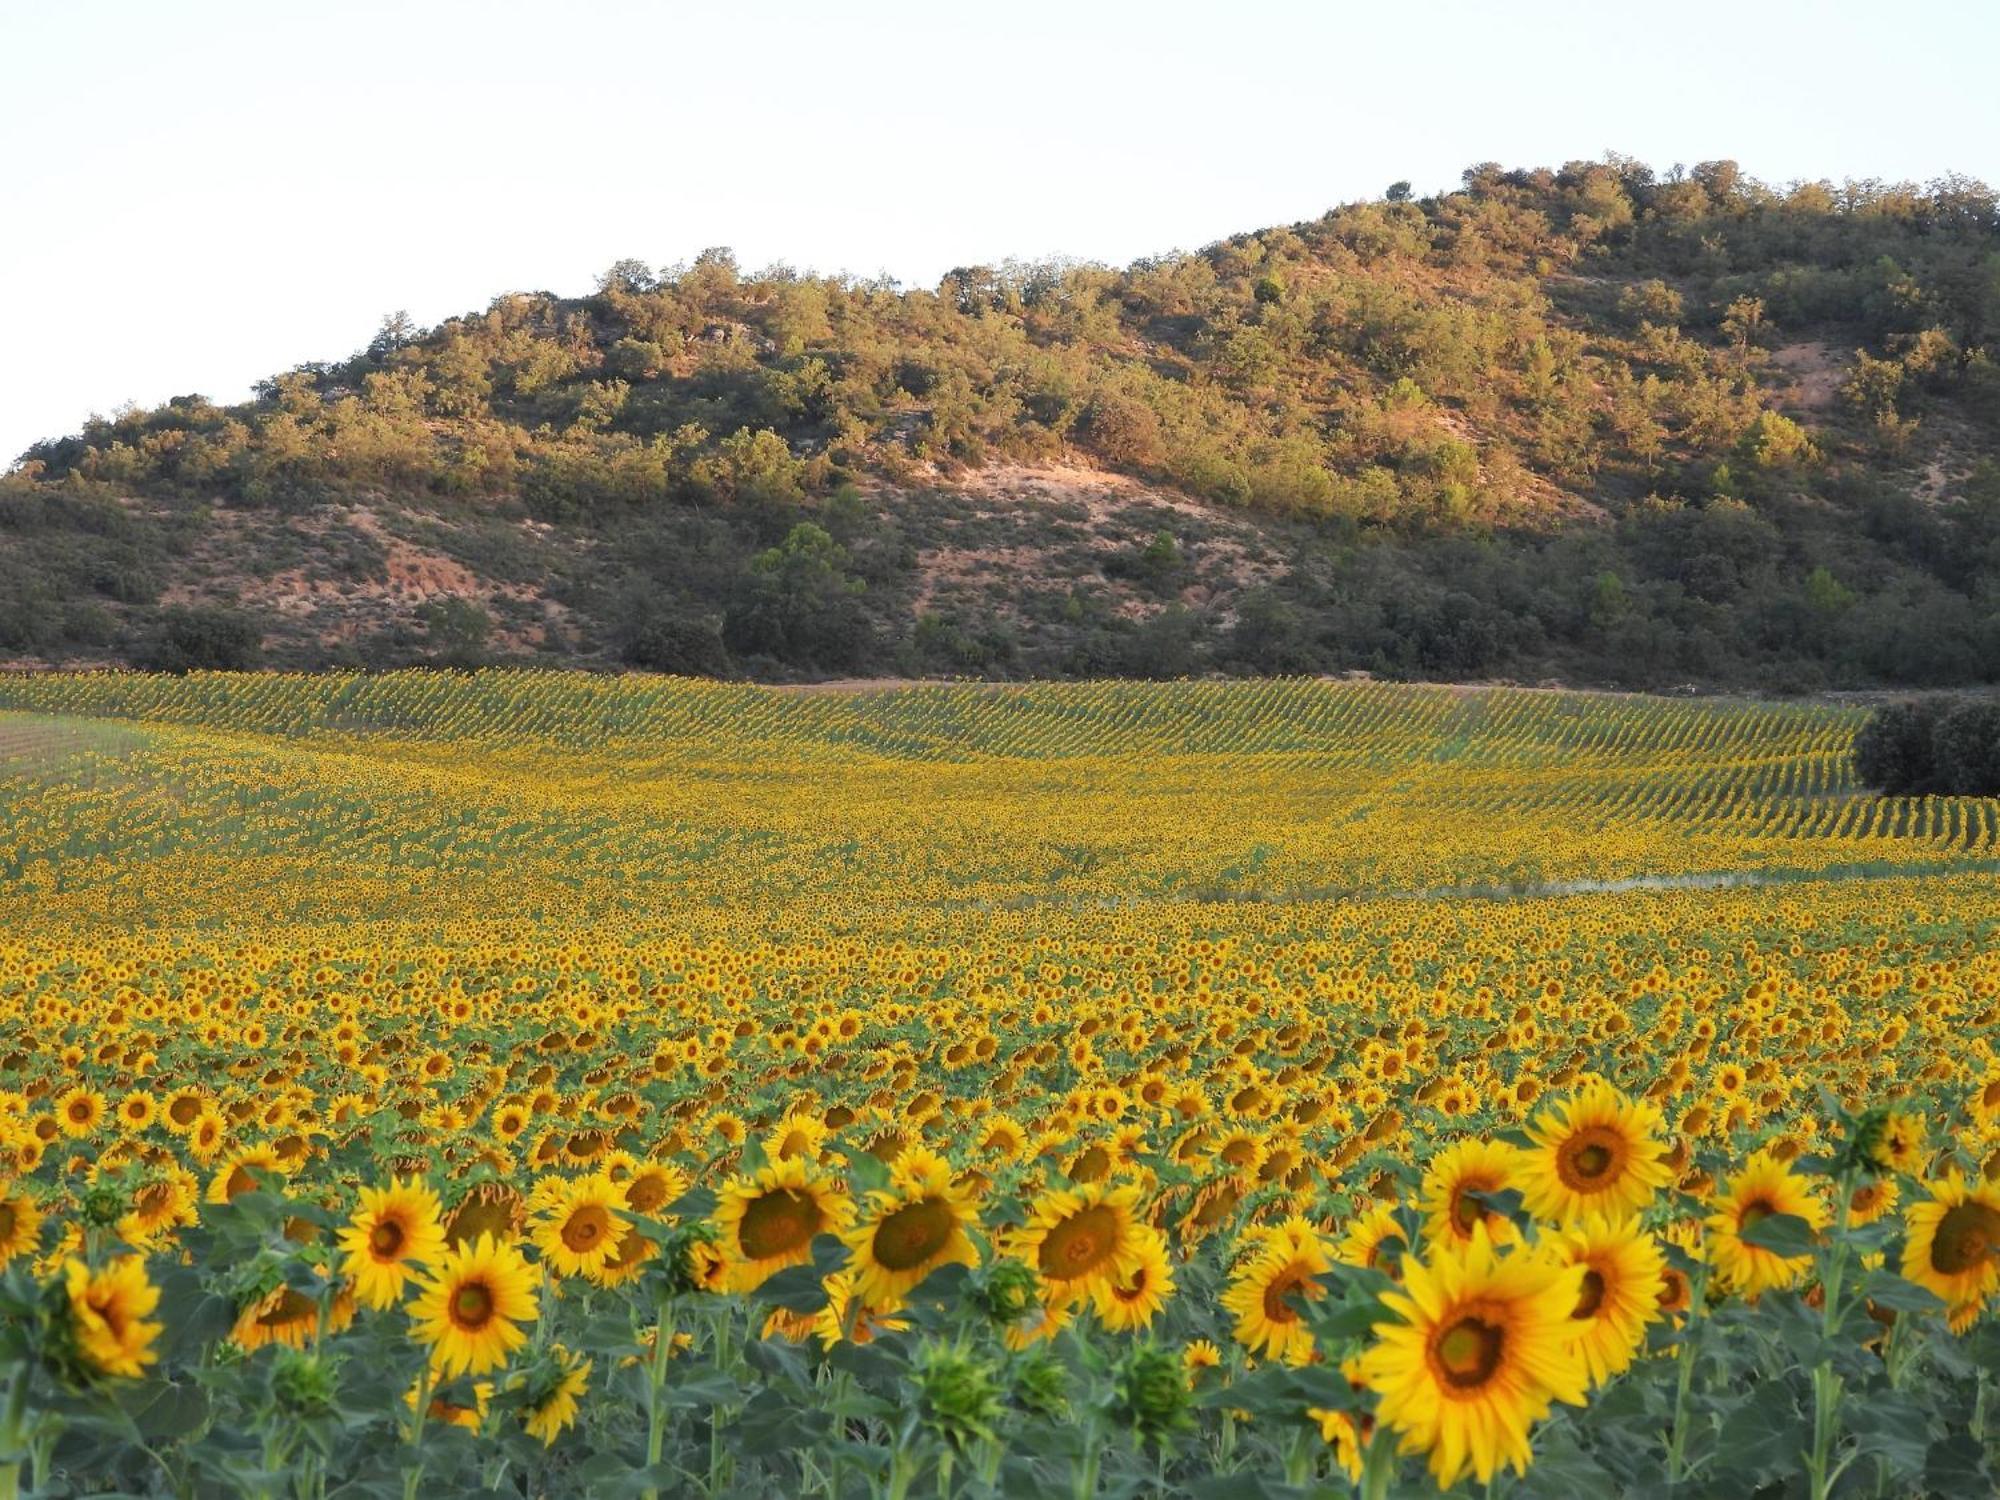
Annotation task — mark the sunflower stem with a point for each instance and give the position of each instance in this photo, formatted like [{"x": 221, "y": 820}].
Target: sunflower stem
[
  {"x": 415, "y": 1474},
  {"x": 656, "y": 1406},
  {"x": 1684, "y": 1376},
  {"x": 1827, "y": 1384},
  {"x": 1379, "y": 1466}
]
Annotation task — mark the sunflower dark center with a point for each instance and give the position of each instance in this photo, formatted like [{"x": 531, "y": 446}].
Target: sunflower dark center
[
  {"x": 386, "y": 1239},
  {"x": 1590, "y": 1159},
  {"x": 1755, "y": 1212},
  {"x": 1966, "y": 1239},
  {"x": 1467, "y": 1352},
  {"x": 1466, "y": 1210},
  {"x": 779, "y": 1222},
  {"x": 1278, "y": 1292},
  {"x": 914, "y": 1233},
  {"x": 1076, "y": 1245},
  {"x": 648, "y": 1192},
  {"x": 472, "y": 1305},
  {"x": 1591, "y": 1297},
  {"x": 584, "y": 1230}
]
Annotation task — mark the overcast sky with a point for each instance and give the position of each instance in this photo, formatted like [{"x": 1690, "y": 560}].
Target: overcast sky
[{"x": 202, "y": 193}]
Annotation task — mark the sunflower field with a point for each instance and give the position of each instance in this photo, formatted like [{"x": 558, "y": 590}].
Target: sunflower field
[{"x": 541, "y": 1085}]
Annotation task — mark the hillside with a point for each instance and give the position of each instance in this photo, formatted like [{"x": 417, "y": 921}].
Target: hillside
[{"x": 1601, "y": 424}]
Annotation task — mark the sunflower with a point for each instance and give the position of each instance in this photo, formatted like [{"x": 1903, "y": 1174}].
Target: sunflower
[
  {"x": 1259, "y": 1296},
  {"x": 471, "y": 1307},
  {"x": 1373, "y": 1238},
  {"x": 183, "y": 1107},
  {"x": 159, "y": 1205},
  {"x": 626, "y": 1263},
  {"x": 552, "y": 1391},
  {"x": 207, "y": 1136},
  {"x": 842, "y": 1318},
  {"x": 107, "y": 1315},
  {"x": 1077, "y": 1237},
  {"x": 1486, "y": 1343},
  {"x": 581, "y": 1229},
  {"x": 20, "y": 1222},
  {"x": 1623, "y": 1268},
  {"x": 653, "y": 1185},
  {"x": 488, "y": 1208},
  {"x": 1199, "y": 1355},
  {"x": 240, "y": 1171},
  {"x": 1953, "y": 1248},
  {"x": 1898, "y": 1144},
  {"x": 797, "y": 1135},
  {"x": 911, "y": 1230},
  {"x": 1872, "y": 1200},
  {"x": 445, "y": 1408},
  {"x": 768, "y": 1221},
  {"x": 1764, "y": 1187},
  {"x": 1451, "y": 1212},
  {"x": 136, "y": 1111},
  {"x": 1595, "y": 1152},
  {"x": 80, "y": 1111},
  {"x": 289, "y": 1317},
  {"x": 1132, "y": 1299},
  {"x": 394, "y": 1229}
]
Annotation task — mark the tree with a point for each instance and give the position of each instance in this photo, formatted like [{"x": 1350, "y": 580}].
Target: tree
[
  {"x": 799, "y": 603},
  {"x": 1893, "y": 750},
  {"x": 203, "y": 639}
]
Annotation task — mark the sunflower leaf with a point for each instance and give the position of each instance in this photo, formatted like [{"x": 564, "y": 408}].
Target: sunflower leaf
[{"x": 1782, "y": 1234}]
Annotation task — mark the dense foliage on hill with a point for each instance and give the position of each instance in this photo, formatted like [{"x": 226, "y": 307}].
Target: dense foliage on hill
[{"x": 1599, "y": 423}]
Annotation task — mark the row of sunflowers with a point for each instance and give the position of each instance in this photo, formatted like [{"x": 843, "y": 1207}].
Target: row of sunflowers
[
  {"x": 1695, "y": 1191},
  {"x": 828, "y": 1321}
]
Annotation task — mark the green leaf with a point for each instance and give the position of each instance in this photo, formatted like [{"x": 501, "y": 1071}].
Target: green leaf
[
  {"x": 1763, "y": 1435},
  {"x": 1782, "y": 1234},
  {"x": 1892, "y": 1427},
  {"x": 1886, "y": 1289}
]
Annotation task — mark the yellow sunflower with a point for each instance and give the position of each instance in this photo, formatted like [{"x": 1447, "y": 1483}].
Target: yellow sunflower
[
  {"x": 1764, "y": 1187},
  {"x": 80, "y": 1111},
  {"x": 1898, "y": 1146},
  {"x": 471, "y": 1307},
  {"x": 289, "y": 1317},
  {"x": 1872, "y": 1200},
  {"x": 911, "y": 1230},
  {"x": 394, "y": 1230},
  {"x": 1486, "y": 1343},
  {"x": 1453, "y": 1176},
  {"x": 1373, "y": 1241},
  {"x": 1595, "y": 1152},
  {"x": 452, "y": 1412},
  {"x": 581, "y": 1229},
  {"x": 159, "y": 1205},
  {"x": 20, "y": 1222},
  {"x": 1132, "y": 1299},
  {"x": 240, "y": 1170},
  {"x": 552, "y": 1394},
  {"x": 1953, "y": 1249},
  {"x": 107, "y": 1313},
  {"x": 1623, "y": 1267},
  {"x": 1259, "y": 1296},
  {"x": 1077, "y": 1237},
  {"x": 768, "y": 1221}
]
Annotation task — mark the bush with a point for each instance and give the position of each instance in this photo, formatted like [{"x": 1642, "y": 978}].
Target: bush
[
  {"x": 1931, "y": 747},
  {"x": 202, "y": 639}
]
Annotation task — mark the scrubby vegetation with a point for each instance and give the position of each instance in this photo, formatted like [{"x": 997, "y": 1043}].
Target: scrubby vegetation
[
  {"x": 1599, "y": 423},
  {"x": 1930, "y": 747}
]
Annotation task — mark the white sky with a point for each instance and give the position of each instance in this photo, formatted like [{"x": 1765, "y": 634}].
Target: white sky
[{"x": 194, "y": 195}]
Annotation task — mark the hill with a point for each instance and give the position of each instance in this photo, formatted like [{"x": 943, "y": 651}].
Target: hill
[{"x": 1598, "y": 424}]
